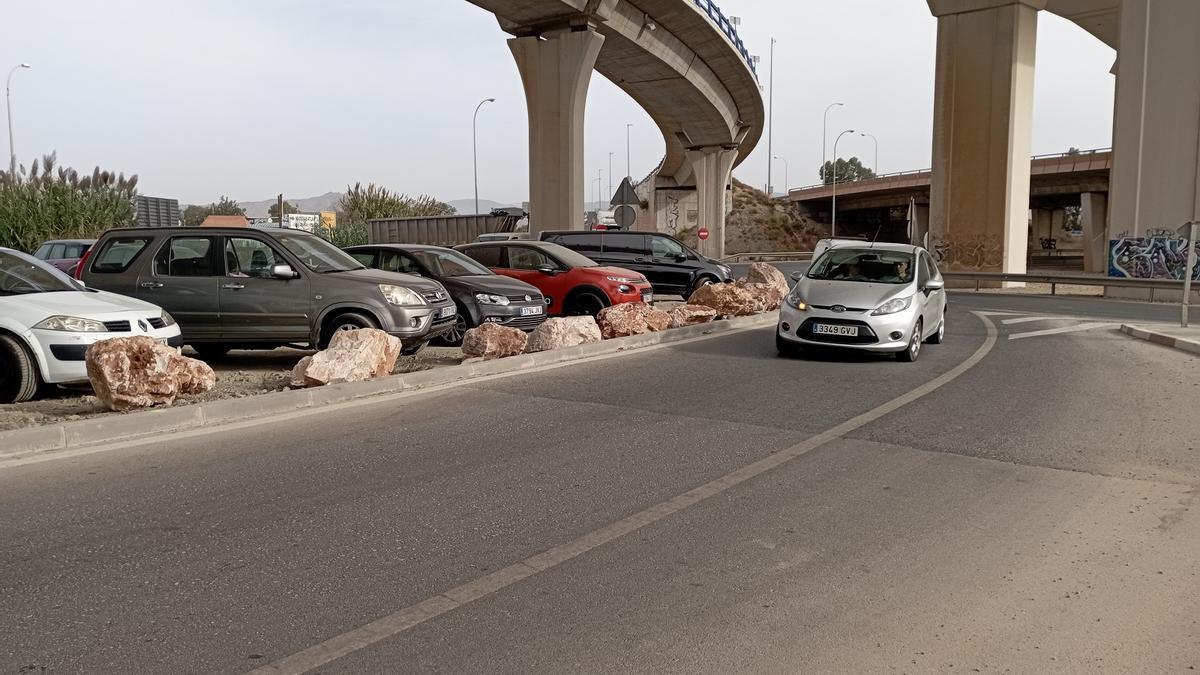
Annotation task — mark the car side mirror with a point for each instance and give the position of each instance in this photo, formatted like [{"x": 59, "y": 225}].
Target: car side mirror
[
  {"x": 935, "y": 284},
  {"x": 796, "y": 276},
  {"x": 546, "y": 269},
  {"x": 284, "y": 272},
  {"x": 681, "y": 258}
]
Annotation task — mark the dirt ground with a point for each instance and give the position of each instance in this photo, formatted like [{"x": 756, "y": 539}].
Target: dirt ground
[{"x": 239, "y": 374}]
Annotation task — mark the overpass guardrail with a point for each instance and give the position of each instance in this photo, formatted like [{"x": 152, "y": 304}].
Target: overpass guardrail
[
  {"x": 763, "y": 257},
  {"x": 1065, "y": 279}
]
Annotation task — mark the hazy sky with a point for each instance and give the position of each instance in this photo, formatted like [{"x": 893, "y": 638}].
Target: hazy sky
[{"x": 304, "y": 96}]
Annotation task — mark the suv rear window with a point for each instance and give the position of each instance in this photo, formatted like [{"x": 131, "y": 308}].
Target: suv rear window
[
  {"x": 584, "y": 241},
  {"x": 488, "y": 256},
  {"x": 117, "y": 254}
]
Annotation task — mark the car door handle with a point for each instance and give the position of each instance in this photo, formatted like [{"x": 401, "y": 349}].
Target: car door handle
[
  {"x": 639, "y": 260},
  {"x": 233, "y": 287},
  {"x": 150, "y": 284}
]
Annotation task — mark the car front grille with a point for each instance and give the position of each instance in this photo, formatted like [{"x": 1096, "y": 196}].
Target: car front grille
[
  {"x": 532, "y": 297},
  {"x": 526, "y": 322},
  {"x": 865, "y": 335},
  {"x": 433, "y": 296},
  {"x": 116, "y": 326},
  {"x": 844, "y": 308},
  {"x": 155, "y": 321}
]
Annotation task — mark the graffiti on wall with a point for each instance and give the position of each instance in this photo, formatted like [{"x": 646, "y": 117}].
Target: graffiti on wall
[
  {"x": 1161, "y": 254},
  {"x": 672, "y": 214},
  {"x": 976, "y": 252}
]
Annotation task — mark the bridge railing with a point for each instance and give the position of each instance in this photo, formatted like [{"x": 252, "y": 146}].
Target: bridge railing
[
  {"x": 765, "y": 256},
  {"x": 726, "y": 26},
  {"x": 1055, "y": 280}
]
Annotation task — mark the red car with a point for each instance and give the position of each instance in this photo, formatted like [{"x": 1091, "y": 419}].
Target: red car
[{"x": 572, "y": 283}]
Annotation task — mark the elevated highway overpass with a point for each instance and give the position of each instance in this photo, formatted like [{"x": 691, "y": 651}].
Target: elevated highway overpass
[{"x": 681, "y": 60}]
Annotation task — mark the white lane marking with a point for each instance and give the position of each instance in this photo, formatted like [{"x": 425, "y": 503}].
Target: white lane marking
[
  {"x": 168, "y": 437},
  {"x": 998, "y": 313},
  {"x": 413, "y": 615},
  {"x": 1065, "y": 329},
  {"x": 1030, "y": 319}
]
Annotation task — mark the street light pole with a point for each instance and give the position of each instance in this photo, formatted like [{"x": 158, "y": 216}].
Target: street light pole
[
  {"x": 628, "y": 172},
  {"x": 1193, "y": 235},
  {"x": 12, "y": 150},
  {"x": 770, "y": 116},
  {"x": 824, "y": 132},
  {"x": 475, "y": 149},
  {"x": 875, "y": 166},
  {"x": 833, "y": 217},
  {"x": 785, "y": 173},
  {"x": 610, "y": 190}
]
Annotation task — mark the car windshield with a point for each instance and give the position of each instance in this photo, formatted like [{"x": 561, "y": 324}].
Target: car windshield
[
  {"x": 319, "y": 255},
  {"x": 568, "y": 257},
  {"x": 864, "y": 265},
  {"x": 449, "y": 263},
  {"x": 21, "y": 274}
]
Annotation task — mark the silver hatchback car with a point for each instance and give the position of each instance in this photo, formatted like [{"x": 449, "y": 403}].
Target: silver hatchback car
[{"x": 872, "y": 297}]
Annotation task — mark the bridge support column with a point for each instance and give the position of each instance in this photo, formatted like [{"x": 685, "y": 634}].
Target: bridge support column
[
  {"x": 556, "y": 70},
  {"x": 1093, "y": 216},
  {"x": 712, "y": 167},
  {"x": 983, "y": 116},
  {"x": 1155, "y": 181}
]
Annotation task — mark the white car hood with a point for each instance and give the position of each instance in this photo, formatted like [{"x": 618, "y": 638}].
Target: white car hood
[
  {"x": 85, "y": 304},
  {"x": 856, "y": 294}
]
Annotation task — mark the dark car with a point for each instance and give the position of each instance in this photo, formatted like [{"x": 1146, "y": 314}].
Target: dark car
[
  {"x": 671, "y": 267},
  {"x": 482, "y": 296},
  {"x": 573, "y": 284},
  {"x": 249, "y": 288},
  {"x": 63, "y": 253}
]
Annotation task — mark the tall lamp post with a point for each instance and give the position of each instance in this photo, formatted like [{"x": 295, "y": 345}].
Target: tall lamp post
[
  {"x": 875, "y": 166},
  {"x": 610, "y": 190},
  {"x": 12, "y": 150},
  {"x": 824, "y": 132},
  {"x": 475, "y": 149},
  {"x": 628, "y": 172},
  {"x": 833, "y": 217},
  {"x": 785, "y": 173},
  {"x": 770, "y": 116}
]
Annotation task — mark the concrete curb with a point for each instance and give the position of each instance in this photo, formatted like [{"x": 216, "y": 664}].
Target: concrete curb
[
  {"x": 1182, "y": 344},
  {"x": 117, "y": 427}
]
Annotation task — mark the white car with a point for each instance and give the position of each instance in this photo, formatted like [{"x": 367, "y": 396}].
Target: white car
[
  {"x": 47, "y": 321},
  {"x": 866, "y": 296}
]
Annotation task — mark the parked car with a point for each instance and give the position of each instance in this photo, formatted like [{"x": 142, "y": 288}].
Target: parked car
[
  {"x": 572, "y": 283},
  {"x": 873, "y": 297},
  {"x": 63, "y": 253},
  {"x": 482, "y": 296},
  {"x": 249, "y": 288},
  {"x": 47, "y": 321},
  {"x": 502, "y": 236},
  {"x": 671, "y": 267}
]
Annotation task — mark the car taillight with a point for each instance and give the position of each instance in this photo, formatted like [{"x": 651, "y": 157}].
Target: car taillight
[{"x": 82, "y": 261}]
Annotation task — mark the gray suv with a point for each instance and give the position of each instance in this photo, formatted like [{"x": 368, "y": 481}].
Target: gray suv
[{"x": 250, "y": 288}]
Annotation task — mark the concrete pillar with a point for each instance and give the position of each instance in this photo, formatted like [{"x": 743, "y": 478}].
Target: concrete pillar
[
  {"x": 712, "y": 167},
  {"x": 1156, "y": 128},
  {"x": 983, "y": 116},
  {"x": 556, "y": 70},
  {"x": 1093, "y": 216},
  {"x": 1043, "y": 226},
  {"x": 918, "y": 222}
]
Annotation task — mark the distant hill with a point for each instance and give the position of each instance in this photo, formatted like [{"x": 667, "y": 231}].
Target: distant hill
[
  {"x": 467, "y": 206},
  {"x": 325, "y": 202}
]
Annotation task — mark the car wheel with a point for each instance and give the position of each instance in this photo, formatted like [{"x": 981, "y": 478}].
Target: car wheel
[
  {"x": 19, "y": 379},
  {"x": 211, "y": 350},
  {"x": 586, "y": 304},
  {"x": 702, "y": 281},
  {"x": 343, "y": 322},
  {"x": 913, "y": 350},
  {"x": 454, "y": 336},
  {"x": 940, "y": 336},
  {"x": 786, "y": 348}
]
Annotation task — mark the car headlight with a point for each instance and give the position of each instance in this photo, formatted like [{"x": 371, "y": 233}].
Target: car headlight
[
  {"x": 400, "y": 295},
  {"x": 72, "y": 324},
  {"x": 793, "y": 299},
  {"x": 726, "y": 270},
  {"x": 894, "y": 305},
  {"x": 625, "y": 280},
  {"x": 167, "y": 319},
  {"x": 490, "y": 299}
]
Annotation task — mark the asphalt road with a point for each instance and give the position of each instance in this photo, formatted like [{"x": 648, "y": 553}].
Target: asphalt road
[{"x": 1032, "y": 505}]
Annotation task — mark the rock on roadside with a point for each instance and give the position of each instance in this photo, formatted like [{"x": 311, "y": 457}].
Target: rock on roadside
[
  {"x": 491, "y": 341},
  {"x": 727, "y": 299},
  {"x": 767, "y": 283},
  {"x": 690, "y": 315},
  {"x": 352, "y": 356},
  {"x": 139, "y": 372},
  {"x": 566, "y": 331},
  {"x": 631, "y": 318}
]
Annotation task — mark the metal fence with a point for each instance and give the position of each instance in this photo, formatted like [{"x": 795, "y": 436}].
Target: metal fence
[
  {"x": 1055, "y": 280},
  {"x": 726, "y": 26}
]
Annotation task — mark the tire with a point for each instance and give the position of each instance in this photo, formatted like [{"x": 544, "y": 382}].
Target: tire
[
  {"x": 347, "y": 321},
  {"x": 786, "y": 348},
  {"x": 940, "y": 336},
  {"x": 454, "y": 336},
  {"x": 19, "y": 378},
  {"x": 586, "y": 303},
  {"x": 211, "y": 350},
  {"x": 702, "y": 281},
  {"x": 913, "y": 351}
]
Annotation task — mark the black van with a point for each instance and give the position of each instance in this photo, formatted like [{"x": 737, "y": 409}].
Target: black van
[{"x": 671, "y": 267}]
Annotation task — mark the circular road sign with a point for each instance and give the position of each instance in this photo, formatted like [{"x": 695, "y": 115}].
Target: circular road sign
[
  {"x": 703, "y": 234},
  {"x": 624, "y": 215}
]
